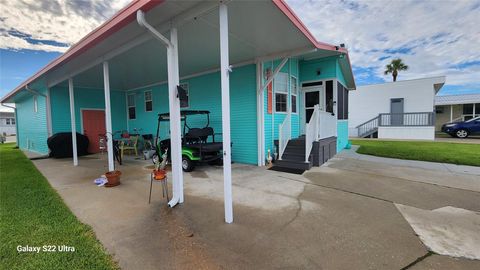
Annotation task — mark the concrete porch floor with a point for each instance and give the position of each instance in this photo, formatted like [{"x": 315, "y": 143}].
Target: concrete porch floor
[{"x": 340, "y": 216}]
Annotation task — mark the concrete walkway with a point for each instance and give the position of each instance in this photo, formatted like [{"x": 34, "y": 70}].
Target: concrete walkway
[
  {"x": 339, "y": 216},
  {"x": 441, "y": 169}
]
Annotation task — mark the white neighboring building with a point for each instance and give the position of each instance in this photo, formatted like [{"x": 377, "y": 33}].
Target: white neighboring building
[
  {"x": 395, "y": 110},
  {"x": 7, "y": 121}
]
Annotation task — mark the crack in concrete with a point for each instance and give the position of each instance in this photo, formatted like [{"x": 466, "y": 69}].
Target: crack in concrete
[
  {"x": 339, "y": 189},
  {"x": 282, "y": 227},
  {"x": 299, "y": 209}
]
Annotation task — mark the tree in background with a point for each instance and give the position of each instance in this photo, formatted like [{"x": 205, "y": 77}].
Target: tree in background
[{"x": 394, "y": 67}]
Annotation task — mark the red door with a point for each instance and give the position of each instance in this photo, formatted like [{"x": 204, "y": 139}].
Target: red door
[{"x": 93, "y": 126}]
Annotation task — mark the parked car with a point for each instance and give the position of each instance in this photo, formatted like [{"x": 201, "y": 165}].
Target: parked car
[{"x": 463, "y": 129}]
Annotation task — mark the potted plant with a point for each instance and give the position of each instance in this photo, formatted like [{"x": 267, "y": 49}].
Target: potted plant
[{"x": 113, "y": 178}]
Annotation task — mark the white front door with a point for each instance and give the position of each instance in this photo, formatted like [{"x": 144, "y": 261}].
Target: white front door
[{"x": 312, "y": 96}]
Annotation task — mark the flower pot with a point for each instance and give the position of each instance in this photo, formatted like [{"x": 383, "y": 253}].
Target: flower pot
[
  {"x": 159, "y": 174},
  {"x": 113, "y": 178}
]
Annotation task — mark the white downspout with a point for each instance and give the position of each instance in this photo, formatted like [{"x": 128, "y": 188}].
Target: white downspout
[{"x": 174, "y": 105}]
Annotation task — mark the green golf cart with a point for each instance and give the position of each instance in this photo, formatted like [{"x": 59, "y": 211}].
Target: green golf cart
[{"x": 198, "y": 144}]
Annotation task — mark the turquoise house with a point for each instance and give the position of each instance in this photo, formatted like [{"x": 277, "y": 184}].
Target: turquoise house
[
  {"x": 275, "y": 75},
  {"x": 273, "y": 90}
]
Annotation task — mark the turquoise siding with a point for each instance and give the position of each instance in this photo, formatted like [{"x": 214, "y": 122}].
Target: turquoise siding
[
  {"x": 326, "y": 66},
  {"x": 32, "y": 126},
  {"x": 342, "y": 134},
  {"x": 205, "y": 94},
  {"x": 85, "y": 99},
  {"x": 272, "y": 121}
]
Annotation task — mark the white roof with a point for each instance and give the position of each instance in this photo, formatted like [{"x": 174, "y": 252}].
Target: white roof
[
  {"x": 457, "y": 99},
  {"x": 437, "y": 81}
]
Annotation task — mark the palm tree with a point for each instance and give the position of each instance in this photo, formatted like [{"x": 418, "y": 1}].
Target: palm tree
[{"x": 394, "y": 67}]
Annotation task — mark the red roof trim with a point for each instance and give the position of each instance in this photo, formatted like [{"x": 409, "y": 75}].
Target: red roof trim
[
  {"x": 127, "y": 15},
  {"x": 118, "y": 21}
]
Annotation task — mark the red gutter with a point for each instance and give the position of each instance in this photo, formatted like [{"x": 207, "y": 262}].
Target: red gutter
[
  {"x": 118, "y": 21},
  {"x": 299, "y": 24}
]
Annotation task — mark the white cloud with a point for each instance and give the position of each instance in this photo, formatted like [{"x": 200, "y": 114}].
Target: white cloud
[
  {"x": 440, "y": 34},
  {"x": 62, "y": 21}
]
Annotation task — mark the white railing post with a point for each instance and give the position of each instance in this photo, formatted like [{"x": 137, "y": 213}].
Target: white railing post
[
  {"x": 312, "y": 129},
  {"x": 284, "y": 135}
]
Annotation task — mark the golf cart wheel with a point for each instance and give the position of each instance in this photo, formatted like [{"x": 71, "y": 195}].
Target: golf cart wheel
[
  {"x": 461, "y": 133},
  {"x": 187, "y": 164}
]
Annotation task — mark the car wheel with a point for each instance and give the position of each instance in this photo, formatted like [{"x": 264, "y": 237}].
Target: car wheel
[
  {"x": 461, "y": 133},
  {"x": 187, "y": 164}
]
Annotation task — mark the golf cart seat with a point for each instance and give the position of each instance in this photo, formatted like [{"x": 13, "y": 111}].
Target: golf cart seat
[
  {"x": 195, "y": 135},
  {"x": 198, "y": 138}
]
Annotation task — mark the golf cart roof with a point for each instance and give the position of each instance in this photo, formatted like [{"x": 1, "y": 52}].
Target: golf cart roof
[{"x": 166, "y": 116}]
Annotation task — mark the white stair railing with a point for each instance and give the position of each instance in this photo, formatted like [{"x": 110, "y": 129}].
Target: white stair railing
[
  {"x": 312, "y": 131},
  {"x": 327, "y": 126},
  {"x": 284, "y": 135}
]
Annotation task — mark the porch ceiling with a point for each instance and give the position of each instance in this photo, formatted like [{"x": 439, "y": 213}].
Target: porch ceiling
[{"x": 251, "y": 25}]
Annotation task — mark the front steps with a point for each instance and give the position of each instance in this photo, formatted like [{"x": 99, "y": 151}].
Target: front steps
[{"x": 294, "y": 156}]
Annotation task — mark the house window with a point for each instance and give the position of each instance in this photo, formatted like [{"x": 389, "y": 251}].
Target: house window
[
  {"x": 185, "y": 103},
  {"x": 8, "y": 121},
  {"x": 12, "y": 121},
  {"x": 131, "y": 106},
  {"x": 280, "y": 87},
  {"x": 294, "y": 86},
  {"x": 148, "y": 101},
  {"x": 35, "y": 104},
  {"x": 439, "y": 109}
]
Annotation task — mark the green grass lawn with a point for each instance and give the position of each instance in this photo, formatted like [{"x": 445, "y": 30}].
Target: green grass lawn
[
  {"x": 456, "y": 153},
  {"x": 33, "y": 214}
]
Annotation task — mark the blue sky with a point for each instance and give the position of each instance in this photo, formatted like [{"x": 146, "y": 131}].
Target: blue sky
[{"x": 432, "y": 37}]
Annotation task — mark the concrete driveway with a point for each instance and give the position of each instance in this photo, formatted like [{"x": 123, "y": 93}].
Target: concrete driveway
[{"x": 343, "y": 215}]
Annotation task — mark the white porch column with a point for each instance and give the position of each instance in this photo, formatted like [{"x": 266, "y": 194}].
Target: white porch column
[
  {"x": 175, "y": 129},
  {"x": 260, "y": 115},
  {"x": 73, "y": 123},
  {"x": 108, "y": 116},
  {"x": 225, "y": 81},
  {"x": 474, "y": 113},
  {"x": 451, "y": 113}
]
